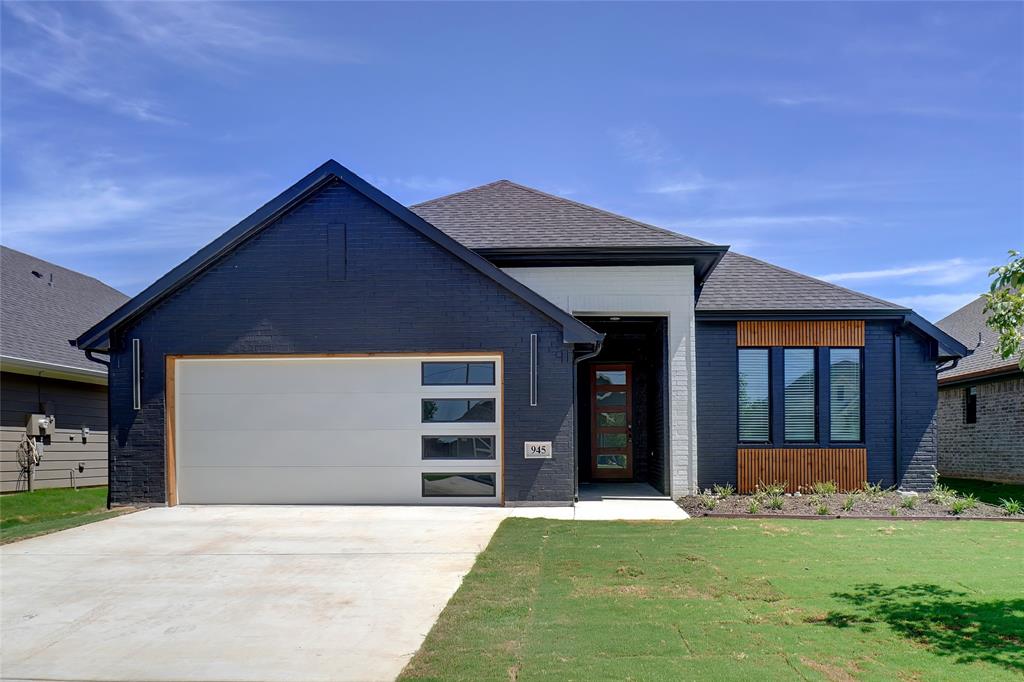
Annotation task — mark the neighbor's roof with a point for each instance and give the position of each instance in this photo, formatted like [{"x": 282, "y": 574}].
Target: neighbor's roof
[
  {"x": 43, "y": 305},
  {"x": 504, "y": 214},
  {"x": 967, "y": 325}
]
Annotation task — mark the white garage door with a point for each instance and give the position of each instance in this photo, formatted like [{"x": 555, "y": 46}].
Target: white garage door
[{"x": 299, "y": 430}]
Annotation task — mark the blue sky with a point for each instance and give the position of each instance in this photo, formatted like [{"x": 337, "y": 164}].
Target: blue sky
[{"x": 880, "y": 145}]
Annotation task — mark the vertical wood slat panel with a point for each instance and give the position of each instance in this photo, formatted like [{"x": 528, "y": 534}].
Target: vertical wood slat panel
[
  {"x": 800, "y": 467},
  {"x": 799, "y": 333}
]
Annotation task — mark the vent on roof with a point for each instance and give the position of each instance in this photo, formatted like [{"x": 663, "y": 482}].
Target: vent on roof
[{"x": 37, "y": 274}]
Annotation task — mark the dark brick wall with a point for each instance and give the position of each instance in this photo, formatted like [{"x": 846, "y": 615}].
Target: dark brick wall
[
  {"x": 717, "y": 411},
  {"x": 401, "y": 293}
]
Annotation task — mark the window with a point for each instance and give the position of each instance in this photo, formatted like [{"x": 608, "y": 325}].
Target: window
[
  {"x": 458, "y": 410},
  {"x": 458, "y": 447},
  {"x": 458, "y": 373},
  {"x": 136, "y": 374},
  {"x": 971, "y": 405},
  {"x": 844, "y": 371},
  {"x": 459, "y": 485},
  {"x": 799, "y": 412},
  {"x": 754, "y": 400}
]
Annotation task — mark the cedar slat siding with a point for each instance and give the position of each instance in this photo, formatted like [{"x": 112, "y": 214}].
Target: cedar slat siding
[
  {"x": 800, "y": 467},
  {"x": 759, "y": 333}
]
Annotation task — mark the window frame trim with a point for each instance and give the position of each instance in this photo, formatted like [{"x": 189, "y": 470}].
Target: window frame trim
[
  {"x": 815, "y": 439},
  {"x": 863, "y": 374},
  {"x": 967, "y": 401},
  {"x": 494, "y": 448},
  {"x": 423, "y": 482},
  {"x": 768, "y": 362},
  {"x": 467, "y": 363}
]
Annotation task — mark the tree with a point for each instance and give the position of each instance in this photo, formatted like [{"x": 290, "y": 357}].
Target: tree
[{"x": 1005, "y": 307}]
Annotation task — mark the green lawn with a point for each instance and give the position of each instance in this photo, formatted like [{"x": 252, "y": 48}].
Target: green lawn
[
  {"x": 985, "y": 491},
  {"x": 723, "y": 599},
  {"x": 23, "y": 515}
]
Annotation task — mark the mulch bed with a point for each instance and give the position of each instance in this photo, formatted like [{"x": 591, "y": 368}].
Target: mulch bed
[{"x": 875, "y": 506}]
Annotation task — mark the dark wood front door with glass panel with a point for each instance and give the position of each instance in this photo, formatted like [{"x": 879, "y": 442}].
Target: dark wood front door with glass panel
[{"x": 611, "y": 421}]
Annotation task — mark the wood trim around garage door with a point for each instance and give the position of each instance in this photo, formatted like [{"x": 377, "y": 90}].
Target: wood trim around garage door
[{"x": 170, "y": 415}]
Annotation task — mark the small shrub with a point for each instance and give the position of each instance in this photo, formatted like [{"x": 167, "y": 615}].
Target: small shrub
[
  {"x": 848, "y": 503},
  {"x": 1011, "y": 507},
  {"x": 822, "y": 510},
  {"x": 707, "y": 500},
  {"x": 824, "y": 488},
  {"x": 962, "y": 504},
  {"x": 894, "y": 510},
  {"x": 909, "y": 502},
  {"x": 942, "y": 494},
  {"x": 753, "y": 507},
  {"x": 722, "y": 491},
  {"x": 771, "y": 488},
  {"x": 776, "y": 502},
  {"x": 873, "y": 490}
]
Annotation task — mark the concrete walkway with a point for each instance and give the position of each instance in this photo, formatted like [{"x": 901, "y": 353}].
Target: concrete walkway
[{"x": 612, "y": 502}]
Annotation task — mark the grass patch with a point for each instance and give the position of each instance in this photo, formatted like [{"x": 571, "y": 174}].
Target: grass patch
[
  {"x": 25, "y": 514},
  {"x": 729, "y": 599},
  {"x": 984, "y": 491}
]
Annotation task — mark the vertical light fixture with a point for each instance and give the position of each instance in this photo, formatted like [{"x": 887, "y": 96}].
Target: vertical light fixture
[
  {"x": 136, "y": 374},
  {"x": 533, "y": 370}
]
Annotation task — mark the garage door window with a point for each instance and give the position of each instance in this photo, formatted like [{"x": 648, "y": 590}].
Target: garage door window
[
  {"x": 459, "y": 485},
  {"x": 458, "y": 447},
  {"x": 458, "y": 410},
  {"x": 458, "y": 373}
]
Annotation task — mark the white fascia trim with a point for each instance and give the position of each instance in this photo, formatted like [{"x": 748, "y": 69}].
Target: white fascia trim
[{"x": 52, "y": 370}]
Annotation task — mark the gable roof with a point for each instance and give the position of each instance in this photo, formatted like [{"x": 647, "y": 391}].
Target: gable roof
[
  {"x": 504, "y": 214},
  {"x": 98, "y": 337},
  {"x": 44, "y": 305},
  {"x": 968, "y": 326}
]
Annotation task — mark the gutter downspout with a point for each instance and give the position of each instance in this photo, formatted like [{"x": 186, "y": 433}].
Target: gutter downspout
[
  {"x": 897, "y": 404},
  {"x": 576, "y": 413},
  {"x": 106, "y": 363}
]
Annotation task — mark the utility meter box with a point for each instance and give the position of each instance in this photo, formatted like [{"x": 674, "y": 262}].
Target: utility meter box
[{"x": 41, "y": 425}]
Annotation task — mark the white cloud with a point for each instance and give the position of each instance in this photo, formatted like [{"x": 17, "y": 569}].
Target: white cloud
[
  {"x": 98, "y": 54},
  {"x": 685, "y": 185},
  {"x": 418, "y": 184},
  {"x": 642, "y": 143},
  {"x": 937, "y": 273},
  {"x": 766, "y": 221},
  {"x": 935, "y": 306}
]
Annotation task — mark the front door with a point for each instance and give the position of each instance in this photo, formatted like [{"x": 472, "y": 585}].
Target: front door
[{"x": 611, "y": 421}]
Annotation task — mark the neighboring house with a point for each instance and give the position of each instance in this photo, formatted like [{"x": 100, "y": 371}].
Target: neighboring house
[
  {"x": 981, "y": 405},
  {"x": 499, "y": 345},
  {"x": 42, "y": 307}
]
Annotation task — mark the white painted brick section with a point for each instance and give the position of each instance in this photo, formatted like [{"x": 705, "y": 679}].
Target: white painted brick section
[{"x": 662, "y": 291}]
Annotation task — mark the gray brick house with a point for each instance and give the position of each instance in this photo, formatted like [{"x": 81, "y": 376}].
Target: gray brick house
[
  {"x": 42, "y": 305},
  {"x": 499, "y": 345},
  {"x": 981, "y": 405}
]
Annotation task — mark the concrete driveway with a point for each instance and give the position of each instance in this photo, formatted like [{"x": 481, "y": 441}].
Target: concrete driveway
[{"x": 235, "y": 593}]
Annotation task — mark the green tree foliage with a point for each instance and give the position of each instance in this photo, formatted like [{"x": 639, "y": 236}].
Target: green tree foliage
[{"x": 1005, "y": 306}]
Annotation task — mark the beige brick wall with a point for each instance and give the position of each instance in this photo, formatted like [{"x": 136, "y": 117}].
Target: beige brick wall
[{"x": 991, "y": 449}]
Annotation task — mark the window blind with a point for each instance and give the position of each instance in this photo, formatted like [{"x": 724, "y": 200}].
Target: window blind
[
  {"x": 844, "y": 394},
  {"x": 798, "y": 364},
  {"x": 753, "y": 391}
]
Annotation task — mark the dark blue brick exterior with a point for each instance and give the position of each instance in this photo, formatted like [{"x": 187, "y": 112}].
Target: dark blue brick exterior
[
  {"x": 400, "y": 293},
  {"x": 717, "y": 409}
]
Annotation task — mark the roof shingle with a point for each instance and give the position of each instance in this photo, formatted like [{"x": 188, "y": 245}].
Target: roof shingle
[
  {"x": 39, "y": 314},
  {"x": 967, "y": 325},
  {"x": 504, "y": 214}
]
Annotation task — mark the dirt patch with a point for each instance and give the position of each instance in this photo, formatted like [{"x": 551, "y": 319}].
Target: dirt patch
[
  {"x": 832, "y": 672},
  {"x": 887, "y": 504}
]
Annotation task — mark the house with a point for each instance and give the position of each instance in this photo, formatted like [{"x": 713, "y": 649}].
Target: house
[
  {"x": 42, "y": 306},
  {"x": 499, "y": 345},
  {"x": 981, "y": 404}
]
